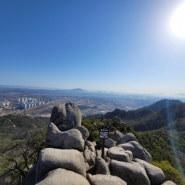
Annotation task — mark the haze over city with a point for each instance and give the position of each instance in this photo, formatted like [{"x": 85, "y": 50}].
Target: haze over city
[{"x": 111, "y": 45}]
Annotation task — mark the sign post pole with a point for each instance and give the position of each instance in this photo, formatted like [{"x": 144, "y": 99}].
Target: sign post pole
[
  {"x": 104, "y": 134},
  {"x": 103, "y": 146}
]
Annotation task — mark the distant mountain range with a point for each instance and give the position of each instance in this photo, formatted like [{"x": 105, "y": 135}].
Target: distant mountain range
[{"x": 164, "y": 113}]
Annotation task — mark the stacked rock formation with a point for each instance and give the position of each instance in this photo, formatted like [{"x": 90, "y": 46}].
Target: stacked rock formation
[{"x": 70, "y": 159}]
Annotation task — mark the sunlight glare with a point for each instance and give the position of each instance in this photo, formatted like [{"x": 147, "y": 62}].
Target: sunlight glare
[{"x": 178, "y": 21}]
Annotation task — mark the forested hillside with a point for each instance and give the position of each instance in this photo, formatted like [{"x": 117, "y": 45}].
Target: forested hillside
[
  {"x": 160, "y": 128},
  {"x": 164, "y": 113},
  {"x": 21, "y": 137}
]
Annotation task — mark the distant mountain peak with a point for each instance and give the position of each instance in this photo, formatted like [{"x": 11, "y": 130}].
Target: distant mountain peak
[
  {"x": 78, "y": 89},
  {"x": 159, "y": 105}
]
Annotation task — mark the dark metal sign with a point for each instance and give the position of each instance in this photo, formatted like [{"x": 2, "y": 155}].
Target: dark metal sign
[{"x": 104, "y": 133}]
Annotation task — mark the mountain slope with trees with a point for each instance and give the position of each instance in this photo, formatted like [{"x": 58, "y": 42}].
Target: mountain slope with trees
[
  {"x": 160, "y": 128},
  {"x": 164, "y": 113}
]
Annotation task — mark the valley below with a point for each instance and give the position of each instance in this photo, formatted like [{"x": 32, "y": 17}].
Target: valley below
[{"x": 159, "y": 125}]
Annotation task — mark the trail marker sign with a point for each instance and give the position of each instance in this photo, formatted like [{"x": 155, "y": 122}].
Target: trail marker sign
[{"x": 104, "y": 133}]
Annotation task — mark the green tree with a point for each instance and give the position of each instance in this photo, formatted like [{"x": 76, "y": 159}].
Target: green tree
[{"x": 170, "y": 172}]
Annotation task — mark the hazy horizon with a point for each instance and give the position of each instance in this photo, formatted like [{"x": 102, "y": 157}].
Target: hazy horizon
[{"x": 118, "y": 46}]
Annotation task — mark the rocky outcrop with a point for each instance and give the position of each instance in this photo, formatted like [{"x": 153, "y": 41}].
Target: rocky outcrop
[
  {"x": 84, "y": 131},
  {"x": 66, "y": 116},
  {"x": 109, "y": 143},
  {"x": 64, "y": 140},
  {"x": 63, "y": 177},
  {"x": 126, "y": 138},
  {"x": 105, "y": 180},
  {"x": 70, "y": 156},
  {"x": 119, "y": 154},
  {"x": 116, "y": 135},
  {"x": 50, "y": 159},
  {"x": 137, "y": 150},
  {"x": 89, "y": 154},
  {"x": 168, "y": 183},
  {"x": 101, "y": 166},
  {"x": 154, "y": 173},
  {"x": 133, "y": 173}
]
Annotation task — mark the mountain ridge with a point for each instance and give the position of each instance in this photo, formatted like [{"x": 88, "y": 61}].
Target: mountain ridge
[{"x": 152, "y": 117}]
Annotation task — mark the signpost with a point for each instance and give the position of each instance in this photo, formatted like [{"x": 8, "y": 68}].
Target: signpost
[{"x": 104, "y": 134}]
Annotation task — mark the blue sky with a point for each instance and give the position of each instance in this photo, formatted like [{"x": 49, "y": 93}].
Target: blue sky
[{"x": 111, "y": 45}]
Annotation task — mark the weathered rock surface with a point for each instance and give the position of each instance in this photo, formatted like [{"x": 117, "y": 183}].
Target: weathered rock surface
[
  {"x": 58, "y": 114},
  {"x": 101, "y": 166},
  {"x": 168, "y": 183},
  {"x": 63, "y": 177},
  {"x": 65, "y": 164},
  {"x": 67, "y": 117},
  {"x": 119, "y": 154},
  {"x": 89, "y": 153},
  {"x": 115, "y": 136},
  {"x": 71, "y": 139},
  {"x": 133, "y": 173},
  {"x": 154, "y": 173},
  {"x": 109, "y": 143},
  {"x": 50, "y": 159},
  {"x": 137, "y": 150},
  {"x": 105, "y": 180},
  {"x": 126, "y": 138},
  {"x": 84, "y": 131}
]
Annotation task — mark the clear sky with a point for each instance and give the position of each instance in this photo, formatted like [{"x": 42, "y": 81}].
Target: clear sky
[{"x": 112, "y": 45}]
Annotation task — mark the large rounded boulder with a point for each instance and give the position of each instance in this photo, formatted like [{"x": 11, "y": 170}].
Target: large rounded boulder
[
  {"x": 70, "y": 139},
  {"x": 105, "y": 180},
  {"x": 126, "y": 138},
  {"x": 63, "y": 177},
  {"x": 119, "y": 154},
  {"x": 154, "y": 173},
  {"x": 137, "y": 150},
  {"x": 66, "y": 116},
  {"x": 50, "y": 159},
  {"x": 133, "y": 173}
]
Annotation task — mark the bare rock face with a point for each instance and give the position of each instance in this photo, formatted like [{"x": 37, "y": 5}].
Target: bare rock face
[
  {"x": 168, "y": 183},
  {"x": 100, "y": 179},
  {"x": 109, "y": 143},
  {"x": 137, "y": 150},
  {"x": 50, "y": 159},
  {"x": 119, "y": 154},
  {"x": 101, "y": 166},
  {"x": 126, "y": 138},
  {"x": 71, "y": 139},
  {"x": 115, "y": 136},
  {"x": 84, "y": 131},
  {"x": 154, "y": 173},
  {"x": 63, "y": 177},
  {"x": 66, "y": 117},
  {"x": 89, "y": 153},
  {"x": 133, "y": 173},
  {"x": 71, "y": 155}
]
